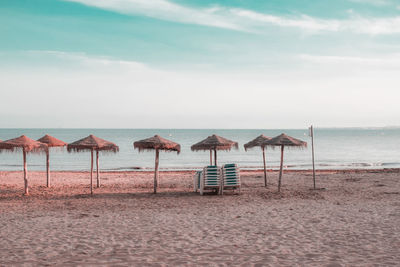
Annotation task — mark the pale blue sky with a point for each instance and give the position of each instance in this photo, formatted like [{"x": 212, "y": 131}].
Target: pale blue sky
[{"x": 199, "y": 64}]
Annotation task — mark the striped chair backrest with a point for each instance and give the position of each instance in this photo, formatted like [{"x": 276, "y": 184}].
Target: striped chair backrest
[
  {"x": 231, "y": 175},
  {"x": 211, "y": 176}
]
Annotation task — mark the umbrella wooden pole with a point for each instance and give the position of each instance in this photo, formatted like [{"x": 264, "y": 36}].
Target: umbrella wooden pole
[
  {"x": 210, "y": 157},
  {"x": 156, "y": 171},
  {"x": 215, "y": 156},
  {"x": 91, "y": 173},
  {"x": 312, "y": 147},
  {"x": 265, "y": 167},
  {"x": 280, "y": 170},
  {"x": 48, "y": 168},
  {"x": 97, "y": 168},
  {"x": 25, "y": 174}
]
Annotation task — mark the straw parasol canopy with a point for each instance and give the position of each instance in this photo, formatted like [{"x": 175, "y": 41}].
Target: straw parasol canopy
[
  {"x": 51, "y": 142},
  {"x": 93, "y": 143},
  {"x": 259, "y": 141},
  {"x": 282, "y": 141},
  {"x": 27, "y": 145},
  {"x": 214, "y": 143},
  {"x": 285, "y": 140},
  {"x": 156, "y": 143}
]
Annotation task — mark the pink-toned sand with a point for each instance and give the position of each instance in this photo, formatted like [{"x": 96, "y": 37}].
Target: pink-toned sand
[{"x": 355, "y": 221}]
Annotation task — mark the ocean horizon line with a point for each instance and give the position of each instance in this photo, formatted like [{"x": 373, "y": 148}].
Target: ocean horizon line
[{"x": 208, "y": 129}]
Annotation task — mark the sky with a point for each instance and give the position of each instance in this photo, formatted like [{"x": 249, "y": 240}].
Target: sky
[{"x": 199, "y": 63}]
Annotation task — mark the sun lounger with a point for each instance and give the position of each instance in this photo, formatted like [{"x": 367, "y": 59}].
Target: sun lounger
[
  {"x": 231, "y": 177},
  {"x": 210, "y": 179}
]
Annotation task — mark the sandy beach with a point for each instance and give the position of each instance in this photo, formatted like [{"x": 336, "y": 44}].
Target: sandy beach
[{"x": 355, "y": 221}]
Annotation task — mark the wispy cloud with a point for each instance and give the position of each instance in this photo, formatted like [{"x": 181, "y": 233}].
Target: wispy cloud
[
  {"x": 356, "y": 24},
  {"x": 81, "y": 59},
  {"x": 302, "y": 22},
  {"x": 165, "y": 10},
  {"x": 391, "y": 61},
  {"x": 373, "y": 2},
  {"x": 247, "y": 20}
]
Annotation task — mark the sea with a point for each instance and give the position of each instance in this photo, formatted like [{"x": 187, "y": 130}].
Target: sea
[{"x": 335, "y": 148}]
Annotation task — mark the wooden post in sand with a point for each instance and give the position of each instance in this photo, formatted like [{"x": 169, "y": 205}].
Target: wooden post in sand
[
  {"x": 312, "y": 149},
  {"x": 97, "y": 168},
  {"x": 48, "y": 168},
  {"x": 210, "y": 156},
  {"x": 265, "y": 167},
  {"x": 215, "y": 156},
  {"x": 156, "y": 171},
  {"x": 91, "y": 172},
  {"x": 25, "y": 174},
  {"x": 280, "y": 170}
]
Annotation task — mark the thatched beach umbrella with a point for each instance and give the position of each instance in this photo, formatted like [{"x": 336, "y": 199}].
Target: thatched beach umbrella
[
  {"x": 27, "y": 145},
  {"x": 259, "y": 142},
  {"x": 156, "y": 143},
  {"x": 214, "y": 143},
  {"x": 93, "y": 143},
  {"x": 51, "y": 142},
  {"x": 282, "y": 141}
]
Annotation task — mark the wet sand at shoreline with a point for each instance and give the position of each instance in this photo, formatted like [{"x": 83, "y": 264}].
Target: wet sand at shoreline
[{"x": 355, "y": 221}]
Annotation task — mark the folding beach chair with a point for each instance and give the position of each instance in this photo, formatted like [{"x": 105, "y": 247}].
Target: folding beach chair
[{"x": 230, "y": 177}]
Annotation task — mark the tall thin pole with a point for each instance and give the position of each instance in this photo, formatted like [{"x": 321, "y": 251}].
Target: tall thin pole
[
  {"x": 215, "y": 156},
  {"x": 48, "y": 167},
  {"x": 97, "y": 168},
  {"x": 312, "y": 148},
  {"x": 25, "y": 174},
  {"x": 210, "y": 157},
  {"x": 156, "y": 171},
  {"x": 91, "y": 172},
  {"x": 265, "y": 167},
  {"x": 280, "y": 171}
]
